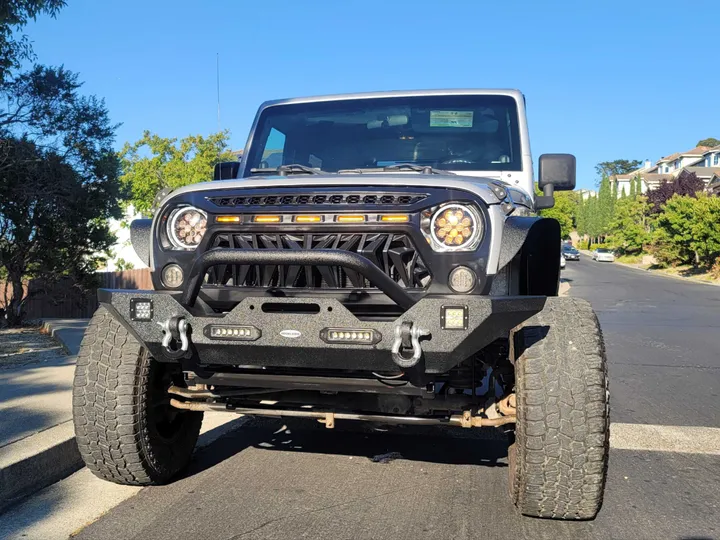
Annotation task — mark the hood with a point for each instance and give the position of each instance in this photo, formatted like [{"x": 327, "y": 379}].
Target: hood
[{"x": 478, "y": 185}]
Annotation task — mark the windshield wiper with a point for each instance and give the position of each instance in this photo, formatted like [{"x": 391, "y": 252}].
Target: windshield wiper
[
  {"x": 424, "y": 169},
  {"x": 284, "y": 170}
]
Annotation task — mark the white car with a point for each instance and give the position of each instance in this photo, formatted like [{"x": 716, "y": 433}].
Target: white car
[
  {"x": 603, "y": 255},
  {"x": 562, "y": 262}
]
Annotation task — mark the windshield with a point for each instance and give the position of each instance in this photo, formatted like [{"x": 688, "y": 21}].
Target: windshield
[
  {"x": 445, "y": 132},
  {"x": 603, "y": 250}
]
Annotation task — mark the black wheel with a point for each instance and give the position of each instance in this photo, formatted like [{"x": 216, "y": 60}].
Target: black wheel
[
  {"x": 126, "y": 430},
  {"x": 558, "y": 461}
]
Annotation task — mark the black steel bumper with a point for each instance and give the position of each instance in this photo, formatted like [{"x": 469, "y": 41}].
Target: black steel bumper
[{"x": 294, "y": 336}]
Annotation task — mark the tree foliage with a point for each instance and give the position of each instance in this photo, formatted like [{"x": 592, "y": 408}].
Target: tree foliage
[
  {"x": 686, "y": 184},
  {"x": 52, "y": 220},
  {"x": 564, "y": 211},
  {"x": 710, "y": 141},
  {"x": 14, "y": 15},
  {"x": 58, "y": 180},
  {"x": 629, "y": 228},
  {"x": 154, "y": 163},
  {"x": 618, "y": 166},
  {"x": 686, "y": 231}
]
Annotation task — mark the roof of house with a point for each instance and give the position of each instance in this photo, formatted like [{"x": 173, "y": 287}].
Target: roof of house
[
  {"x": 697, "y": 151},
  {"x": 711, "y": 150},
  {"x": 671, "y": 157},
  {"x": 704, "y": 172}
]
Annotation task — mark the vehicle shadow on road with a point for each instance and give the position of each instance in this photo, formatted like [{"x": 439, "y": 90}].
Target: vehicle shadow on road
[{"x": 485, "y": 447}]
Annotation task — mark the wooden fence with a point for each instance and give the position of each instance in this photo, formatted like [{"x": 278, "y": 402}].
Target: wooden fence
[{"x": 65, "y": 301}]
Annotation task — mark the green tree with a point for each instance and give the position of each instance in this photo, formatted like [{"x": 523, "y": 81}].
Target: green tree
[
  {"x": 53, "y": 220},
  {"x": 619, "y": 166},
  {"x": 14, "y": 15},
  {"x": 623, "y": 193},
  {"x": 686, "y": 231},
  {"x": 564, "y": 211},
  {"x": 633, "y": 189},
  {"x": 581, "y": 216},
  {"x": 628, "y": 230},
  {"x": 154, "y": 163},
  {"x": 58, "y": 181},
  {"x": 711, "y": 142},
  {"x": 605, "y": 205}
]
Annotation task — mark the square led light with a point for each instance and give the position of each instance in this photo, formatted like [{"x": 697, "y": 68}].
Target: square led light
[
  {"x": 141, "y": 309},
  {"x": 454, "y": 317}
]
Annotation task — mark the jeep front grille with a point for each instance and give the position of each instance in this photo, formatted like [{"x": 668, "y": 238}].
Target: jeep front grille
[
  {"x": 393, "y": 253},
  {"x": 330, "y": 199}
]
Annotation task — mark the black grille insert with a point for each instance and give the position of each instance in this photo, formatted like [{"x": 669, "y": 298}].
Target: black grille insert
[
  {"x": 393, "y": 253},
  {"x": 334, "y": 199}
]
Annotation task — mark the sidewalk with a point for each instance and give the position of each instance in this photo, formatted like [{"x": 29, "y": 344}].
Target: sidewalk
[{"x": 37, "y": 445}]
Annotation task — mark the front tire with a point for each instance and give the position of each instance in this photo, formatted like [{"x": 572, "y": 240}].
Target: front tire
[
  {"x": 558, "y": 462},
  {"x": 126, "y": 431}
]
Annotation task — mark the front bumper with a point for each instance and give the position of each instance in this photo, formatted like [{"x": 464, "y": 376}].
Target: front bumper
[{"x": 289, "y": 333}]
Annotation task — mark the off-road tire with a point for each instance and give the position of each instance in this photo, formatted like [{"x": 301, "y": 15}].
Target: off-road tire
[
  {"x": 125, "y": 429},
  {"x": 558, "y": 461}
]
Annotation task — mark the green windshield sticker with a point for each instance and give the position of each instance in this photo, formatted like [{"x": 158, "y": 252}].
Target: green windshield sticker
[{"x": 458, "y": 119}]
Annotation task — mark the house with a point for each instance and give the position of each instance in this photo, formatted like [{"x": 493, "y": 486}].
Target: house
[
  {"x": 703, "y": 161},
  {"x": 586, "y": 193},
  {"x": 677, "y": 161},
  {"x": 711, "y": 157},
  {"x": 123, "y": 255}
]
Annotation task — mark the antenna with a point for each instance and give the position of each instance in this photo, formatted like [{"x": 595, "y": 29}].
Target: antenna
[{"x": 218, "y": 90}]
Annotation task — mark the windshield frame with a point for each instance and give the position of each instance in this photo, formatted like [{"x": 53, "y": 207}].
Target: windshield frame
[{"x": 523, "y": 171}]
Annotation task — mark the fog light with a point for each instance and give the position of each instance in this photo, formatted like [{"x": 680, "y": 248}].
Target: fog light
[
  {"x": 141, "y": 309},
  {"x": 172, "y": 276},
  {"x": 363, "y": 336},
  {"x": 462, "y": 279},
  {"x": 232, "y": 332},
  {"x": 454, "y": 317}
]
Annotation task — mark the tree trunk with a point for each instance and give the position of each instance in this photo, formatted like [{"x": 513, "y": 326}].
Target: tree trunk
[{"x": 14, "y": 309}]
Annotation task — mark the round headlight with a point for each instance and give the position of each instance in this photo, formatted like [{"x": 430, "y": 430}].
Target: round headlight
[
  {"x": 187, "y": 227},
  {"x": 455, "y": 226}
]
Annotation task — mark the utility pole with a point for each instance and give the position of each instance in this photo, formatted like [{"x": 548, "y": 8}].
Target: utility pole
[{"x": 218, "y": 91}]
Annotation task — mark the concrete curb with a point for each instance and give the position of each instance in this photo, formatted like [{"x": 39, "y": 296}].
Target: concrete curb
[
  {"x": 28, "y": 465},
  {"x": 43, "y": 458},
  {"x": 657, "y": 272}
]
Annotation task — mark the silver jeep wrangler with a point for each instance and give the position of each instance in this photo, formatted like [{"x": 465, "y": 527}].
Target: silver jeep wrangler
[{"x": 373, "y": 257}]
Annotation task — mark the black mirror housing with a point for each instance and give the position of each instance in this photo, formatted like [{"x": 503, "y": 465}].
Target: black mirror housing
[
  {"x": 227, "y": 170},
  {"x": 558, "y": 171}
]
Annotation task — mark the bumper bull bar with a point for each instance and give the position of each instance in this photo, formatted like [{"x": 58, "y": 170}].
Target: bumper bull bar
[{"x": 297, "y": 332}]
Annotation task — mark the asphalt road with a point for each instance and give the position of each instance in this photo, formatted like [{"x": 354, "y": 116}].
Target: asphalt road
[{"x": 272, "y": 480}]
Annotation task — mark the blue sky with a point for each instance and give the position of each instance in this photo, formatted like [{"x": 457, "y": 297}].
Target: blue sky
[{"x": 603, "y": 80}]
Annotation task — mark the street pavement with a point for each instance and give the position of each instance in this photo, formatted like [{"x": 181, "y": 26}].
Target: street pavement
[{"x": 273, "y": 479}]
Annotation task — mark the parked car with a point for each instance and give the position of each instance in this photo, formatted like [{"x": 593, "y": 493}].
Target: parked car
[
  {"x": 340, "y": 288},
  {"x": 570, "y": 253},
  {"x": 603, "y": 255},
  {"x": 562, "y": 262}
]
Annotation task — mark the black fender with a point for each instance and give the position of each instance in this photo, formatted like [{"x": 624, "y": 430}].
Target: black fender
[
  {"x": 535, "y": 243},
  {"x": 140, "y": 238}
]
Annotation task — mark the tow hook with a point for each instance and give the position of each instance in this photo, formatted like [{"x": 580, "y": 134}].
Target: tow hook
[
  {"x": 175, "y": 329},
  {"x": 407, "y": 336}
]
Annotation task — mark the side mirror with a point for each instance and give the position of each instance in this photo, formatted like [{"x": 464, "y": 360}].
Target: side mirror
[
  {"x": 227, "y": 170},
  {"x": 556, "y": 172}
]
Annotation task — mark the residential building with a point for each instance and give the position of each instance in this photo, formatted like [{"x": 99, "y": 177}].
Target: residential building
[
  {"x": 703, "y": 161},
  {"x": 677, "y": 161},
  {"x": 122, "y": 253},
  {"x": 711, "y": 157}
]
